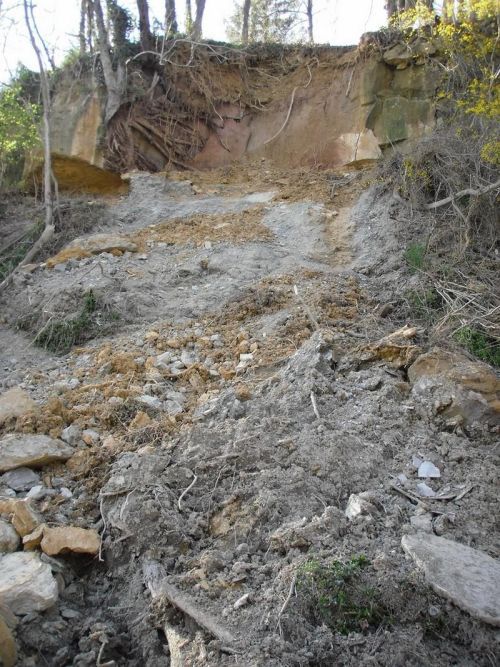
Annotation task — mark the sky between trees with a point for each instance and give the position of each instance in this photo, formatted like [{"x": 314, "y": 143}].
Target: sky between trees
[{"x": 336, "y": 22}]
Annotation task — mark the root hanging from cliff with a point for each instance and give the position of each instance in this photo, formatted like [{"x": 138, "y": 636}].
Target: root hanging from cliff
[{"x": 175, "y": 98}]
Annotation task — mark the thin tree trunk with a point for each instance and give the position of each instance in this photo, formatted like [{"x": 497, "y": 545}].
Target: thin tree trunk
[
  {"x": 48, "y": 176},
  {"x": 90, "y": 26},
  {"x": 81, "y": 33},
  {"x": 245, "y": 23},
  {"x": 114, "y": 80},
  {"x": 198, "y": 21},
  {"x": 310, "y": 21},
  {"x": 45, "y": 91},
  {"x": 144, "y": 27},
  {"x": 171, "y": 27},
  {"x": 189, "y": 17}
]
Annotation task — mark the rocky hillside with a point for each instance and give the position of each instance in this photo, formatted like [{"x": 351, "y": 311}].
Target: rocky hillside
[
  {"x": 222, "y": 441},
  {"x": 214, "y": 105}
]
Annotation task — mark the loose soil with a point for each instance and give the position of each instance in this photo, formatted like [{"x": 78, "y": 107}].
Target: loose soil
[{"x": 248, "y": 320}]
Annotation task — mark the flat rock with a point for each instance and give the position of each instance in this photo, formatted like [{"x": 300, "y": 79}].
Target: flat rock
[
  {"x": 467, "y": 577},
  {"x": 26, "y": 583},
  {"x": 460, "y": 387},
  {"x": 18, "y": 450},
  {"x": 9, "y": 539},
  {"x": 20, "y": 479},
  {"x": 98, "y": 243},
  {"x": 22, "y": 516},
  {"x": 14, "y": 403},
  {"x": 54, "y": 541}
]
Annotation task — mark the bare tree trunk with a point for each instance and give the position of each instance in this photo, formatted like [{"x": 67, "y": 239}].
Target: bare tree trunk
[
  {"x": 144, "y": 27},
  {"x": 114, "y": 80},
  {"x": 189, "y": 17},
  {"x": 81, "y": 33},
  {"x": 245, "y": 22},
  {"x": 90, "y": 26},
  {"x": 310, "y": 21},
  {"x": 171, "y": 27},
  {"x": 198, "y": 21}
]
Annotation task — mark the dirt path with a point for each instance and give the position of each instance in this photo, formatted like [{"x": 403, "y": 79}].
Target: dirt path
[{"x": 238, "y": 405}]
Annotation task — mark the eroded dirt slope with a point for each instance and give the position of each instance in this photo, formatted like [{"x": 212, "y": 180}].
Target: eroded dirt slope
[{"x": 250, "y": 388}]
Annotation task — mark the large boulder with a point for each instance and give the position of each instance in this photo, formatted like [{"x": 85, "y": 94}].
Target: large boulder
[
  {"x": 93, "y": 245},
  {"x": 467, "y": 577},
  {"x": 456, "y": 386},
  {"x": 35, "y": 451},
  {"x": 26, "y": 583}
]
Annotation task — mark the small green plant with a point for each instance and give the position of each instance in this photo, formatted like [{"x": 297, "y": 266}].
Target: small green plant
[
  {"x": 337, "y": 595},
  {"x": 415, "y": 256},
  {"x": 478, "y": 343}
]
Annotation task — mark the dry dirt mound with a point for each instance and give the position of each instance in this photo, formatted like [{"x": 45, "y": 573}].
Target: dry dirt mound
[{"x": 250, "y": 444}]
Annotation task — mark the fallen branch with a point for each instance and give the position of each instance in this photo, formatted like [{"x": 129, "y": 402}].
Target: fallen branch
[
  {"x": 291, "y": 591},
  {"x": 156, "y": 582},
  {"x": 463, "y": 193}
]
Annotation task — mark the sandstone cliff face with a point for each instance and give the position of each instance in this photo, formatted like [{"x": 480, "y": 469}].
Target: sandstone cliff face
[{"x": 331, "y": 113}]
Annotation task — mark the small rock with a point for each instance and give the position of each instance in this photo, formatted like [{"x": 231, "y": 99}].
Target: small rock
[
  {"x": 441, "y": 524},
  {"x": 416, "y": 462},
  {"x": 26, "y": 583},
  {"x": 141, "y": 420},
  {"x": 357, "y": 506},
  {"x": 20, "y": 479},
  {"x": 466, "y": 576},
  {"x": 245, "y": 358},
  {"x": 72, "y": 434},
  {"x": 425, "y": 491},
  {"x": 22, "y": 516},
  {"x": 149, "y": 401},
  {"x": 70, "y": 614},
  {"x": 17, "y": 450},
  {"x": 54, "y": 541},
  {"x": 163, "y": 360},
  {"x": 242, "y": 601},
  {"x": 37, "y": 492},
  {"x": 9, "y": 539},
  {"x": 90, "y": 437},
  {"x": 427, "y": 469},
  {"x": 14, "y": 403},
  {"x": 65, "y": 492}
]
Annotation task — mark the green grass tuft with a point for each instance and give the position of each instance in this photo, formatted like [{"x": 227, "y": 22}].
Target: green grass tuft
[
  {"x": 415, "y": 256},
  {"x": 336, "y": 595},
  {"x": 484, "y": 347}
]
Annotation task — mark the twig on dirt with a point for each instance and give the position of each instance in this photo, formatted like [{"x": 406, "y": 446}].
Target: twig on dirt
[
  {"x": 159, "y": 587},
  {"x": 315, "y": 405},
  {"x": 291, "y": 591},
  {"x": 186, "y": 490},
  {"x": 463, "y": 193}
]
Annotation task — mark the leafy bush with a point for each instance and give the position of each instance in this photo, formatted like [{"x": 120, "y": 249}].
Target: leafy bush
[{"x": 18, "y": 130}]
